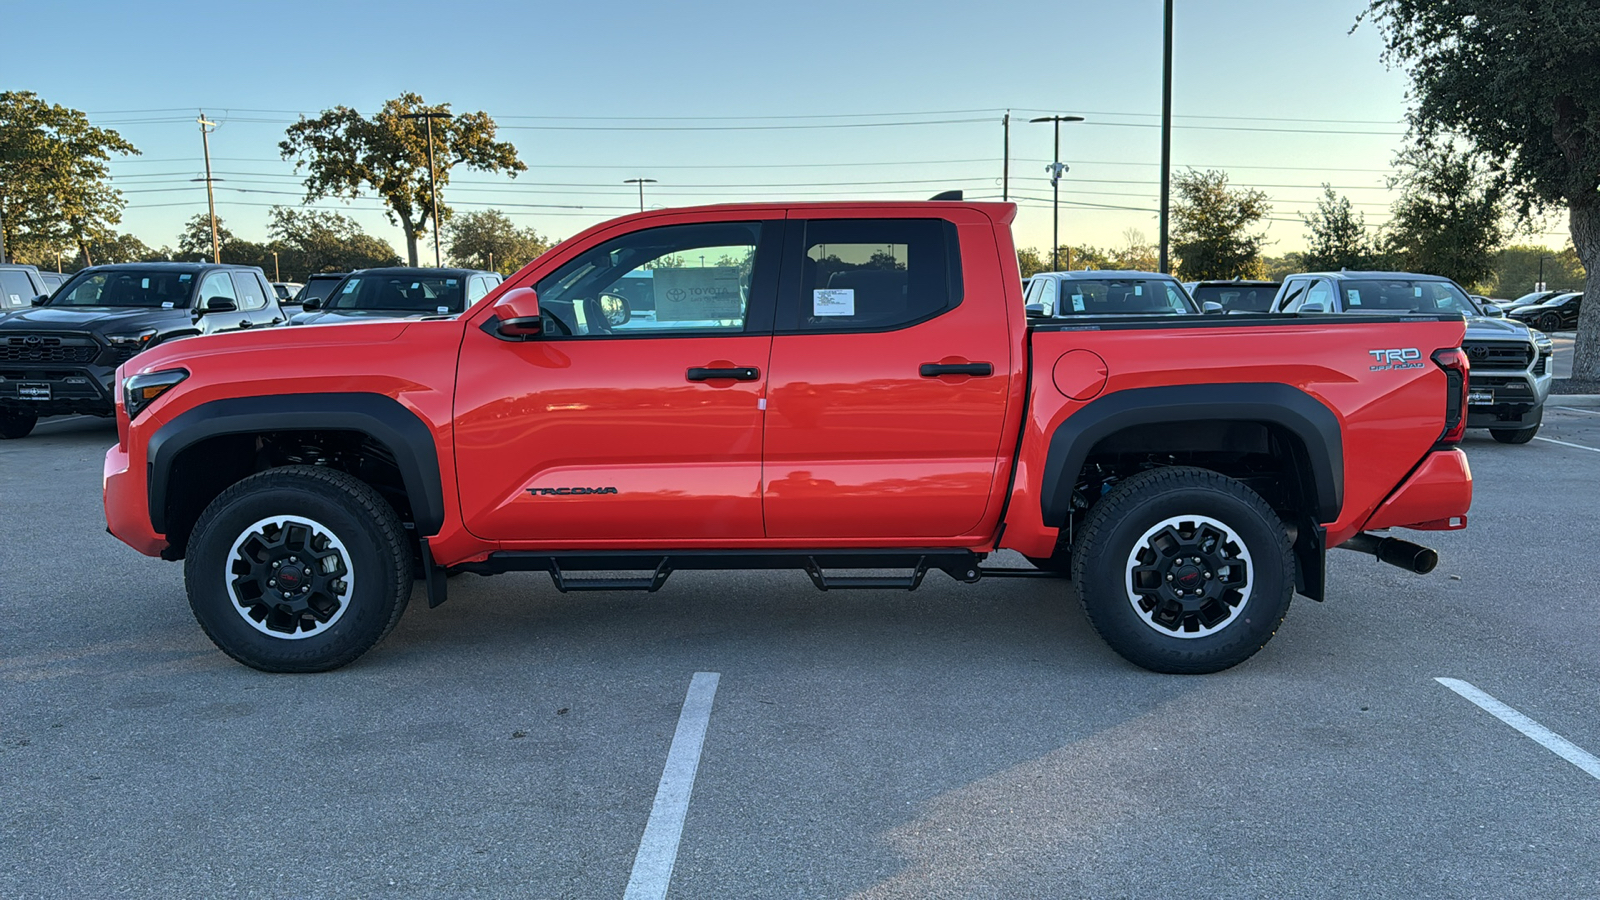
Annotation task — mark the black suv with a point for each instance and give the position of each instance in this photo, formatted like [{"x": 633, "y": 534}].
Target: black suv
[
  {"x": 397, "y": 292},
  {"x": 61, "y": 356}
]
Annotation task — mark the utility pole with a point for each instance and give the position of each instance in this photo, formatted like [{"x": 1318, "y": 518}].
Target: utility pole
[
  {"x": 433, "y": 176},
  {"x": 1166, "y": 136},
  {"x": 1056, "y": 169},
  {"x": 275, "y": 275},
  {"x": 641, "y": 182},
  {"x": 491, "y": 260},
  {"x": 2, "y": 231},
  {"x": 1005, "y": 165},
  {"x": 211, "y": 200}
]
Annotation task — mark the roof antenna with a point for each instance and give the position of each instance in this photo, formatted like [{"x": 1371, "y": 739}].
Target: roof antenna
[{"x": 946, "y": 195}]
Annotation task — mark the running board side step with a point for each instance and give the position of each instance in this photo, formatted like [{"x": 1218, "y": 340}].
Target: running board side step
[{"x": 564, "y": 568}]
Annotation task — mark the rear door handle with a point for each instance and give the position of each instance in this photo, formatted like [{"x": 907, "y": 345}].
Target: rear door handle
[
  {"x": 977, "y": 370},
  {"x": 737, "y": 373}
]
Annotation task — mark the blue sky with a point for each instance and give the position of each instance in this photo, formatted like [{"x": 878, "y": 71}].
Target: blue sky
[{"x": 1278, "y": 94}]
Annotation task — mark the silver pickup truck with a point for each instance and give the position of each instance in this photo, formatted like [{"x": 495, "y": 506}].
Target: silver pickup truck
[{"x": 1512, "y": 365}]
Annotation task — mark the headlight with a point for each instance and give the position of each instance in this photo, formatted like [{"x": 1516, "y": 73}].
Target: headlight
[
  {"x": 139, "y": 391},
  {"x": 131, "y": 342}
]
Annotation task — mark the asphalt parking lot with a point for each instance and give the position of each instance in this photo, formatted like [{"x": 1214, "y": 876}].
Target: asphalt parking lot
[{"x": 961, "y": 741}]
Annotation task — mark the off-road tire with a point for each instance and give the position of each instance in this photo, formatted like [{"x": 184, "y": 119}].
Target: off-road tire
[
  {"x": 15, "y": 425},
  {"x": 367, "y": 541},
  {"x": 1225, "y": 631}
]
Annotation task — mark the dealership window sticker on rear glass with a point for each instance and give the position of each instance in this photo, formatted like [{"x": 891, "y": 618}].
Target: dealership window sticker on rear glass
[{"x": 833, "y": 302}]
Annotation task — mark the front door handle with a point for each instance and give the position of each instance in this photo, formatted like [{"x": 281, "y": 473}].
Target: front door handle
[
  {"x": 977, "y": 370},
  {"x": 736, "y": 373},
  {"x": 247, "y": 324}
]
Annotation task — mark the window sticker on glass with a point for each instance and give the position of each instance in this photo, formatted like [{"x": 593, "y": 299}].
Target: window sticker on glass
[
  {"x": 833, "y": 302},
  {"x": 1077, "y": 303},
  {"x": 450, "y": 282},
  {"x": 1138, "y": 290},
  {"x": 183, "y": 278},
  {"x": 166, "y": 304},
  {"x": 697, "y": 294},
  {"x": 350, "y": 288},
  {"x": 144, "y": 284},
  {"x": 16, "y": 298},
  {"x": 1416, "y": 291},
  {"x": 443, "y": 310},
  {"x": 1353, "y": 297}
]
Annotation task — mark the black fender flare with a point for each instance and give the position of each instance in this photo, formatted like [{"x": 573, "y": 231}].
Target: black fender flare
[
  {"x": 378, "y": 416},
  {"x": 1282, "y": 405}
]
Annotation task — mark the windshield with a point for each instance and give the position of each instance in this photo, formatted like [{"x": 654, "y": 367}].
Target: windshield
[
  {"x": 425, "y": 294},
  {"x": 1123, "y": 297},
  {"x": 154, "y": 290},
  {"x": 1407, "y": 296},
  {"x": 1237, "y": 297},
  {"x": 317, "y": 289},
  {"x": 1558, "y": 300}
]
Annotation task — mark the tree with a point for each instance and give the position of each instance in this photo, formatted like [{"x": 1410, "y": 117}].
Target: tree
[
  {"x": 309, "y": 241},
  {"x": 1519, "y": 83},
  {"x": 1448, "y": 219},
  {"x": 1031, "y": 262},
  {"x": 1137, "y": 253},
  {"x": 1517, "y": 269},
  {"x": 195, "y": 241},
  {"x": 345, "y": 154},
  {"x": 476, "y": 238},
  {"x": 115, "y": 248},
  {"x": 54, "y": 183},
  {"x": 1337, "y": 236},
  {"x": 1211, "y": 225},
  {"x": 1277, "y": 268}
]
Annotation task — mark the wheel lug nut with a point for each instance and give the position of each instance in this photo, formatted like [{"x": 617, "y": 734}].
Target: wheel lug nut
[
  {"x": 272, "y": 582},
  {"x": 1169, "y": 576},
  {"x": 1208, "y": 574}
]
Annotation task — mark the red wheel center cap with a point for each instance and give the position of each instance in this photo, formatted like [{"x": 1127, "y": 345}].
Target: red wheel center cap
[{"x": 1188, "y": 577}]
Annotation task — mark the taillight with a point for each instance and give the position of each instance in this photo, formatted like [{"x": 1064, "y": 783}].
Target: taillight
[{"x": 1456, "y": 370}]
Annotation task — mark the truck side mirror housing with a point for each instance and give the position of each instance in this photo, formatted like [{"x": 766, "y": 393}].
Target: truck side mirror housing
[
  {"x": 1493, "y": 312},
  {"x": 516, "y": 314},
  {"x": 311, "y": 303},
  {"x": 1211, "y": 308},
  {"x": 1311, "y": 306},
  {"x": 39, "y": 300},
  {"x": 218, "y": 305},
  {"x": 1036, "y": 311}
]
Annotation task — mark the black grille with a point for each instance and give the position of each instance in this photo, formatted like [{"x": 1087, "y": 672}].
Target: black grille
[
  {"x": 1498, "y": 354},
  {"x": 41, "y": 348},
  {"x": 1538, "y": 367}
]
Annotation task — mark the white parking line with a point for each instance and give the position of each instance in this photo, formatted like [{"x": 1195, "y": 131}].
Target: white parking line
[
  {"x": 1587, "y": 412},
  {"x": 1546, "y": 738},
  {"x": 1565, "y": 444},
  {"x": 658, "y": 849}
]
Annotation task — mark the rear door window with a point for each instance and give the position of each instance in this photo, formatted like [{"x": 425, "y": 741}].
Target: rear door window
[
  {"x": 249, "y": 291},
  {"x": 872, "y": 275},
  {"x": 16, "y": 288}
]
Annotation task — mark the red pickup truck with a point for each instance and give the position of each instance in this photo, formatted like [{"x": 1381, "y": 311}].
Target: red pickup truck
[{"x": 852, "y": 390}]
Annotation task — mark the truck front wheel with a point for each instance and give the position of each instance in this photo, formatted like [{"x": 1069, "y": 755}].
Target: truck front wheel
[
  {"x": 15, "y": 424},
  {"x": 1183, "y": 570},
  {"x": 298, "y": 569}
]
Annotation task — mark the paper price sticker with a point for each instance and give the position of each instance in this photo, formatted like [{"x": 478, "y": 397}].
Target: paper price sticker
[{"x": 833, "y": 302}]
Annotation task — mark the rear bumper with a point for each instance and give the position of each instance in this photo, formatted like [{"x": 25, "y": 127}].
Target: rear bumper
[
  {"x": 1435, "y": 497},
  {"x": 127, "y": 506}
]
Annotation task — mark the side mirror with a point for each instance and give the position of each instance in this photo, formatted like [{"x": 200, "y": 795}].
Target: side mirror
[
  {"x": 311, "y": 303},
  {"x": 39, "y": 300},
  {"x": 516, "y": 315},
  {"x": 1211, "y": 308},
  {"x": 1493, "y": 312},
  {"x": 218, "y": 305},
  {"x": 1311, "y": 306},
  {"x": 616, "y": 308},
  {"x": 1036, "y": 311}
]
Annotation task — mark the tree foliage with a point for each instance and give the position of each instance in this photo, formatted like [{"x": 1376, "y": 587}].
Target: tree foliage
[
  {"x": 1519, "y": 82},
  {"x": 54, "y": 182},
  {"x": 1211, "y": 227},
  {"x": 195, "y": 241},
  {"x": 1517, "y": 270},
  {"x": 476, "y": 238},
  {"x": 1449, "y": 217},
  {"x": 309, "y": 241},
  {"x": 1337, "y": 236},
  {"x": 345, "y": 154}
]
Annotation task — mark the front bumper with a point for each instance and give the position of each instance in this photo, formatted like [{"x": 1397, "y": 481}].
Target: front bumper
[
  {"x": 128, "y": 504},
  {"x": 57, "y": 390}
]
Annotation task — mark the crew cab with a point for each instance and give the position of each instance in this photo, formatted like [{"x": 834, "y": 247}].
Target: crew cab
[
  {"x": 1513, "y": 366},
  {"x": 60, "y": 357},
  {"x": 851, "y": 390}
]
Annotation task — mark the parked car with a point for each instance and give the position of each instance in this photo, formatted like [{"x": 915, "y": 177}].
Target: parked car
[
  {"x": 53, "y": 280},
  {"x": 1513, "y": 366},
  {"x": 286, "y": 291},
  {"x": 1236, "y": 296},
  {"x": 1559, "y": 313},
  {"x": 1092, "y": 292},
  {"x": 1533, "y": 298},
  {"x": 317, "y": 287},
  {"x": 20, "y": 285},
  {"x": 61, "y": 356},
  {"x": 398, "y": 292},
  {"x": 836, "y": 415}
]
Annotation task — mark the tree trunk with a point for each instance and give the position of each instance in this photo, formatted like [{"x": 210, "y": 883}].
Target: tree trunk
[
  {"x": 411, "y": 245},
  {"x": 1586, "y": 238}
]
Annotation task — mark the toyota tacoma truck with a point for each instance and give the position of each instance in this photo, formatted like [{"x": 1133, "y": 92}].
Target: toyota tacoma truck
[{"x": 850, "y": 390}]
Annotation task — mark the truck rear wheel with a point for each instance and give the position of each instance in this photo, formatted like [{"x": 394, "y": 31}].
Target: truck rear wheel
[
  {"x": 298, "y": 569},
  {"x": 1183, "y": 570},
  {"x": 15, "y": 424}
]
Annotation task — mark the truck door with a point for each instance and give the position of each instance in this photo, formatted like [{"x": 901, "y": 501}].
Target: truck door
[
  {"x": 888, "y": 384},
  {"x": 635, "y": 417}
]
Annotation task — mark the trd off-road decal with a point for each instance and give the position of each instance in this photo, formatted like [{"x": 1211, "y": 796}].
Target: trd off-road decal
[
  {"x": 568, "y": 491},
  {"x": 1390, "y": 360}
]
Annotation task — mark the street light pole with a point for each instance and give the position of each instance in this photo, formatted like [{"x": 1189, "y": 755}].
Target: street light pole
[
  {"x": 433, "y": 175},
  {"x": 1540, "y": 285},
  {"x": 641, "y": 182},
  {"x": 1056, "y": 169},
  {"x": 275, "y": 275},
  {"x": 211, "y": 201},
  {"x": 1166, "y": 136}
]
